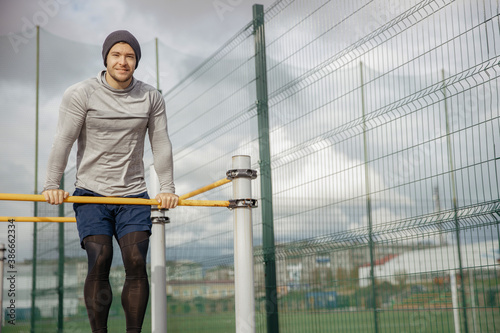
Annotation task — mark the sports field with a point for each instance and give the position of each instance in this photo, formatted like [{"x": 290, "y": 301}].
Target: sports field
[{"x": 402, "y": 321}]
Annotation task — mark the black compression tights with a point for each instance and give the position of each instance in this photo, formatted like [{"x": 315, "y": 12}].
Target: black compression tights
[{"x": 97, "y": 290}]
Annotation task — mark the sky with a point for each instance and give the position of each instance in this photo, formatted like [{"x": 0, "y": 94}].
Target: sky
[
  {"x": 188, "y": 32},
  {"x": 196, "y": 27}
]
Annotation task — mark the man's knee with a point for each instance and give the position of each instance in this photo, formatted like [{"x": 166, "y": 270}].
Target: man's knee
[
  {"x": 100, "y": 254},
  {"x": 134, "y": 247}
]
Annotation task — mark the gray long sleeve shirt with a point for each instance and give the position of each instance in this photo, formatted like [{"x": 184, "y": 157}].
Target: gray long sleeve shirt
[{"x": 110, "y": 125}]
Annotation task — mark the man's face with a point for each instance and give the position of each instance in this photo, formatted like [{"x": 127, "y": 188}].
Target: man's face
[{"x": 120, "y": 65}]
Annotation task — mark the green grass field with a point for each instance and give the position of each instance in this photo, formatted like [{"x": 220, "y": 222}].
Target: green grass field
[{"x": 400, "y": 321}]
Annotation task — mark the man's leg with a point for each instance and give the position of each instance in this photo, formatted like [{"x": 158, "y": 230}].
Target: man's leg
[
  {"x": 135, "y": 293},
  {"x": 97, "y": 290}
]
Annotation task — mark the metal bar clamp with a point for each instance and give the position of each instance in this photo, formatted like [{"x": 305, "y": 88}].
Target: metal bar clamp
[
  {"x": 239, "y": 173},
  {"x": 236, "y": 203},
  {"x": 158, "y": 215}
]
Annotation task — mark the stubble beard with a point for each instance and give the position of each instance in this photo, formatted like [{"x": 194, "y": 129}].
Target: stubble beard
[{"x": 118, "y": 79}]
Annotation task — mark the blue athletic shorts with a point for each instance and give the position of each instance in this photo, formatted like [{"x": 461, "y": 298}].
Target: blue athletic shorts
[{"x": 111, "y": 220}]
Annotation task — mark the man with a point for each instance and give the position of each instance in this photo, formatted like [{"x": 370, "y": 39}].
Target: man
[{"x": 109, "y": 116}]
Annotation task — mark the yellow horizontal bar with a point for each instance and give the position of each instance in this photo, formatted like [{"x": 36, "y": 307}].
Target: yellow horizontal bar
[
  {"x": 112, "y": 200},
  {"x": 204, "y": 203},
  {"x": 78, "y": 199},
  {"x": 36, "y": 219},
  {"x": 205, "y": 188}
]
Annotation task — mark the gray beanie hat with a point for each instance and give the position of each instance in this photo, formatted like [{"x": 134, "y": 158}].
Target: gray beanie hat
[{"x": 117, "y": 37}]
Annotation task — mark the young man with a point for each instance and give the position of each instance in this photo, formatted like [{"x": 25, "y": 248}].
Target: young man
[{"x": 109, "y": 116}]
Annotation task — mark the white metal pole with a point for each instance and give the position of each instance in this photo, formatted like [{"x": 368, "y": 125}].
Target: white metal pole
[
  {"x": 158, "y": 273},
  {"x": 2, "y": 251},
  {"x": 454, "y": 301},
  {"x": 243, "y": 251}
]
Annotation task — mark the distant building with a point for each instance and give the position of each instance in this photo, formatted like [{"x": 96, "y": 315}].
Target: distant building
[
  {"x": 187, "y": 290},
  {"x": 184, "y": 270},
  {"x": 220, "y": 273},
  {"x": 308, "y": 265},
  {"x": 424, "y": 264}
]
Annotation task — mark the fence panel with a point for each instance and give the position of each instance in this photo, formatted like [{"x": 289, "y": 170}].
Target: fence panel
[{"x": 384, "y": 119}]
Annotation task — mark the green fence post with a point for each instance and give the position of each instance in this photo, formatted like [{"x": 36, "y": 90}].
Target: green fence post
[
  {"x": 369, "y": 206},
  {"x": 265, "y": 171},
  {"x": 60, "y": 290},
  {"x": 455, "y": 207},
  {"x": 35, "y": 236}
]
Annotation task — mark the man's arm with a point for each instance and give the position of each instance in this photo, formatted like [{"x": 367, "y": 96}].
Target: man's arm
[
  {"x": 162, "y": 153},
  {"x": 72, "y": 113}
]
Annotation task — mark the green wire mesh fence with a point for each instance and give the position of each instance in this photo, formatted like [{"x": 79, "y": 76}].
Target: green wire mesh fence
[
  {"x": 384, "y": 129},
  {"x": 383, "y": 123}
]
